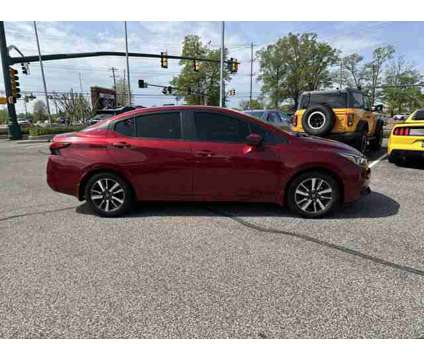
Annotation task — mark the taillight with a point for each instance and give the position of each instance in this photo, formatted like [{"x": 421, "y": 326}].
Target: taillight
[
  {"x": 350, "y": 118},
  {"x": 56, "y": 146},
  {"x": 402, "y": 131},
  {"x": 295, "y": 120}
]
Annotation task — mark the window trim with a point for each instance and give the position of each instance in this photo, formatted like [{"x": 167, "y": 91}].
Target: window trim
[{"x": 160, "y": 113}]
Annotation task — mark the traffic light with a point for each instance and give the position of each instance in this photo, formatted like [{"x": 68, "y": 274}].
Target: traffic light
[
  {"x": 167, "y": 90},
  {"x": 142, "y": 84},
  {"x": 232, "y": 65},
  {"x": 164, "y": 59},
  {"x": 232, "y": 92},
  {"x": 16, "y": 91},
  {"x": 196, "y": 65}
]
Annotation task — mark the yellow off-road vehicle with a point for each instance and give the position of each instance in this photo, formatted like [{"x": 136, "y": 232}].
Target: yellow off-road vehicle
[{"x": 343, "y": 115}]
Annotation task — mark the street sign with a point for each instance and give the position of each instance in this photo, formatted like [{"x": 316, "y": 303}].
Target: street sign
[{"x": 3, "y": 100}]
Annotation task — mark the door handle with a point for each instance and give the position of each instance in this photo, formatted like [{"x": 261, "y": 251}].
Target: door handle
[
  {"x": 204, "y": 153},
  {"x": 121, "y": 145}
]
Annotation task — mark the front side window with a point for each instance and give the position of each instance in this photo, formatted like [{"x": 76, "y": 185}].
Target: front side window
[
  {"x": 159, "y": 126},
  {"x": 218, "y": 127},
  {"x": 267, "y": 136},
  {"x": 125, "y": 127}
]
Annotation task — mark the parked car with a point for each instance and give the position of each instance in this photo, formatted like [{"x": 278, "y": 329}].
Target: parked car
[
  {"x": 400, "y": 117},
  {"x": 274, "y": 117},
  {"x": 407, "y": 139},
  {"x": 201, "y": 153},
  {"x": 343, "y": 115}
]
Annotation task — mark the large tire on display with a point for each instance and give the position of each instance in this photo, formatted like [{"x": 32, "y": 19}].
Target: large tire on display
[
  {"x": 313, "y": 194},
  {"x": 361, "y": 141},
  {"x": 318, "y": 120},
  {"x": 375, "y": 144},
  {"x": 109, "y": 195}
]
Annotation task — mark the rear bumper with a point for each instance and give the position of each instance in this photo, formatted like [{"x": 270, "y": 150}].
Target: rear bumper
[
  {"x": 62, "y": 176},
  {"x": 406, "y": 154},
  {"x": 347, "y": 138}
]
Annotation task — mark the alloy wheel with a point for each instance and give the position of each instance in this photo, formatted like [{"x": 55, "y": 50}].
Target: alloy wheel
[
  {"x": 107, "y": 194},
  {"x": 313, "y": 195}
]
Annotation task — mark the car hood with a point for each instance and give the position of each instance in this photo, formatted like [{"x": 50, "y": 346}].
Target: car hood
[{"x": 314, "y": 142}]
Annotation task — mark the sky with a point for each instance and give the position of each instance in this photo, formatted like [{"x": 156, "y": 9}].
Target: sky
[{"x": 154, "y": 37}]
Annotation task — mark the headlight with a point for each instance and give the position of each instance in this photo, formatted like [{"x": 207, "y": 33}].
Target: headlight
[{"x": 356, "y": 159}]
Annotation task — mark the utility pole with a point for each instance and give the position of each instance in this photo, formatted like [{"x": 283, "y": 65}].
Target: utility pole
[
  {"x": 277, "y": 92},
  {"x": 221, "y": 73},
  {"x": 80, "y": 80},
  {"x": 14, "y": 128},
  {"x": 128, "y": 64},
  {"x": 114, "y": 82},
  {"x": 42, "y": 72},
  {"x": 251, "y": 75},
  {"x": 341, "y": 74}
]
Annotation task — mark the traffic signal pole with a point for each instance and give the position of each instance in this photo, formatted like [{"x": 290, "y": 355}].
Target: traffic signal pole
[{"x": 14, "y": 128}]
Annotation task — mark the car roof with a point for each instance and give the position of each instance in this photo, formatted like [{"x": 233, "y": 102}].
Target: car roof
[{"x": 345, "y": 90}]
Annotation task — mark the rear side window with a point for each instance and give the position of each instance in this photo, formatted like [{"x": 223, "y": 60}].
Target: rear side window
[
  {"x": 159, "y": 126},
  {"x": 218, "y": 127},
  {"x": 333, "y": 100},
  {"x": 419, "y": 115},
  {"x": 358, "y": 100},
  {"x": 125, "y": 127}
]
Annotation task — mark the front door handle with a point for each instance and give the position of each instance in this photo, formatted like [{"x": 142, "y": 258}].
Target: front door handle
[{"x": 204, "y": 153}]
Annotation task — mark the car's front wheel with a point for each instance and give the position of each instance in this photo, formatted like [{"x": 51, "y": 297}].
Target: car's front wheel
[
  {"x": 313, "y": 194},
  {"x": 108, "y": 195}
]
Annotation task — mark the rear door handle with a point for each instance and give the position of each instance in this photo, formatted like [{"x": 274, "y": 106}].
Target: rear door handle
[{"x": 121, "y": 145}]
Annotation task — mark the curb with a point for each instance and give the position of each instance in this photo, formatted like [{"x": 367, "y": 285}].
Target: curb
[{"x": 33, "y": 141}]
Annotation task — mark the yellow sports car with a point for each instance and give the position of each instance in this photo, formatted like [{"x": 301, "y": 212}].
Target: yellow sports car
[{"x": 407, "y": 138}]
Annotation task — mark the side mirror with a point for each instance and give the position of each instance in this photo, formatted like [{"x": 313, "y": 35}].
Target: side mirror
[
  {"x": 377, "y": 108},
  {"x": 254, "y": 139}
]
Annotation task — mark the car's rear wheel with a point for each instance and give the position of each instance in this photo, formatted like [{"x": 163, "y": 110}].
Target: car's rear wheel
[
  {"x": 313, "y": 194},
  {"x": 108, "y": 195}
]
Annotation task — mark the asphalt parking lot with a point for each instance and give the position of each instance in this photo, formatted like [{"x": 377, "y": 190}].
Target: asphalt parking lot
[{"x": 208, "y": 270}]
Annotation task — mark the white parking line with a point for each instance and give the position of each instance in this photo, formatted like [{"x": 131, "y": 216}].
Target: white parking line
[{"x": 375, "y": 162}]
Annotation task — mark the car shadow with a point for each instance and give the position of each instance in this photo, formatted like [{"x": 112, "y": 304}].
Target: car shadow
[{"x": 375, "y": 205}]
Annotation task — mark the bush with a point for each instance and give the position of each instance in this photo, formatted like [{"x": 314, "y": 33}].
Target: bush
[{"x": 37, "y": 130}]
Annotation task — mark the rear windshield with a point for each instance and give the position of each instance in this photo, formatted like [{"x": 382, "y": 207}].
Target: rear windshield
[
  {"x": 419, "y": 115},
  {"x": 333, "y": 100},
  {"x": 256, "y": 114}
]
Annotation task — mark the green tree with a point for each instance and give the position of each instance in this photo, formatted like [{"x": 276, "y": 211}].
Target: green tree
[
  {"x": 374, "y": 71},
  {"x": 255, "y": 104},
  {"x": 199, "y": 87},
  {"x": 4, "y": 115},
  {"x": 397, "y": 93},
  {"x": 353, "y": 71},
  {"x": 295, "y": 63},
  {"x": 39, "y": 111}
]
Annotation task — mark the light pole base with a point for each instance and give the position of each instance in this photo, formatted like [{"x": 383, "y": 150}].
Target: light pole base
[{"x": 15, "y": 132}]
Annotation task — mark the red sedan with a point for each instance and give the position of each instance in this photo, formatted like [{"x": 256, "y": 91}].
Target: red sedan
[{"x": 200, "y": 153}]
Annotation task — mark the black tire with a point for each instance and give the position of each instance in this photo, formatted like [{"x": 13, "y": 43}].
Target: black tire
[
  {"x": 361, "y": 141},
  {"x": 298, "y": 187},
  {"x": 376, "y": 143},
  {"x": 318, "y": 120},
  {"x": 108, "y": 195}
]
